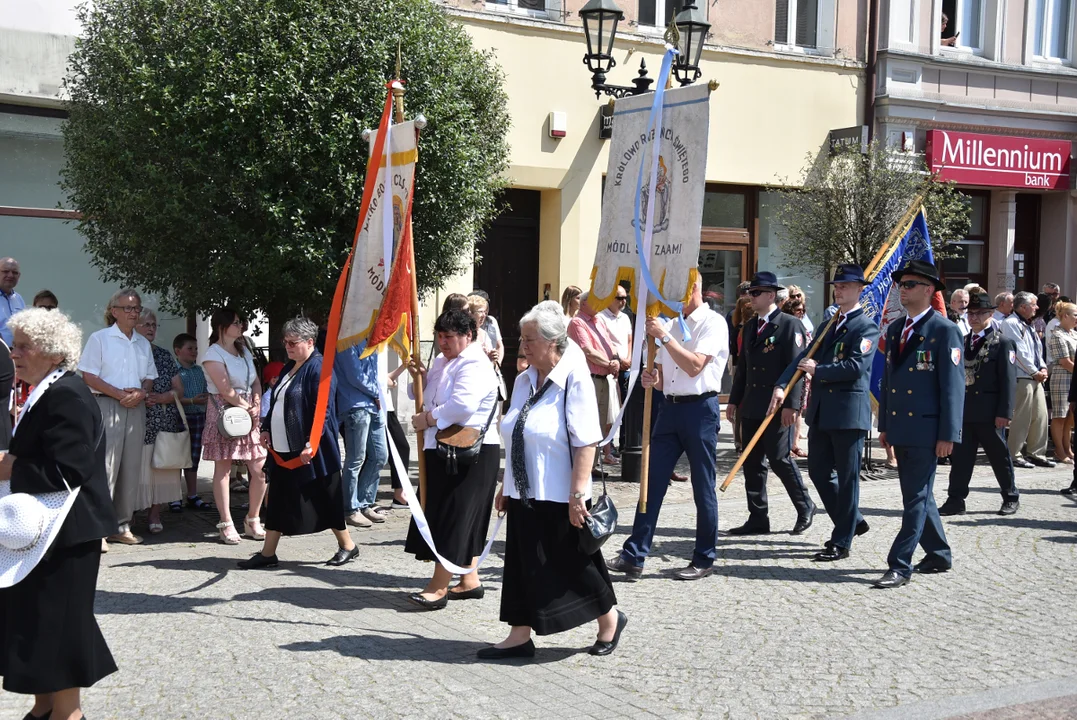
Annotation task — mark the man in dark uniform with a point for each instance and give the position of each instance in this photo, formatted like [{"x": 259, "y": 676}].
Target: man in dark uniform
[
  {"x": 920, "y": 409},
  {"x": 770, "y": 344},
  {"x": 990, "y": 388},
  {"x": 839, "y": 410}
]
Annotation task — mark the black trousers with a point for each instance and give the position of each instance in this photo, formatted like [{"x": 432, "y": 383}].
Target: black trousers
[
  {"x": 398, "y": 438},
  {"x": 774, "y": 446},
  {"x": 974, "y": 436}
]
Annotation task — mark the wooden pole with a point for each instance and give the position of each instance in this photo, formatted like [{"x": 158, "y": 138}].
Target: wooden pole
[
  {"x": 869, "y": 274},
  {"x": 645, "y": 452}
]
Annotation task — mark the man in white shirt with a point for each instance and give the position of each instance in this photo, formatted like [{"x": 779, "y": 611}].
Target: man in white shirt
[
  {"x": 10, "y": 301},
  {"x": 1028, "y": 429},
  {"x": 958, "y": 302},
  {"x": 689, "y": 373},
  {"x": 1004, "y": 301},
  {"x": 620, "y": 327}
]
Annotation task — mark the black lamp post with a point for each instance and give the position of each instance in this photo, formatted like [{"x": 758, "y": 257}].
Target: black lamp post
[{"x": 692, "y": 27}]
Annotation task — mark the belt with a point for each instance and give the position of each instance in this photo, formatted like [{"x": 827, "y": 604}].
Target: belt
[
  {"x": 676, "y": 399},
  {"x": 599, "y": 377}
]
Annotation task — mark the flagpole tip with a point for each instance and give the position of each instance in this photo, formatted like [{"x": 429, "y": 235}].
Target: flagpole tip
[
  {"x": 397, "y": 85},
  {"x": 420, "y": 121},
  {"x": 366, "y": 134}
]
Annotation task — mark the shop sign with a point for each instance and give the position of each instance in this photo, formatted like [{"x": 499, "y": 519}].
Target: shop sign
[
  {"x": 850, "y": 137},
  {"x": 999, "y": 160}
]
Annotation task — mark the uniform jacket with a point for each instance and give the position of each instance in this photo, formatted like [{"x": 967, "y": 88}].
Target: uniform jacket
[
  {"x": 923, "y": 388},
  {"x": 761, "y": 362},
  {"x": 840, "y": 392},
  {"x": 992, "y": 394},
  {"x": 62, "y": 438}
]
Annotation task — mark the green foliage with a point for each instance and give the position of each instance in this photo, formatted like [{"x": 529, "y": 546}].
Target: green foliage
[
  {"x": 849, "y": 203},
  {"x": 215, "y": 146}
]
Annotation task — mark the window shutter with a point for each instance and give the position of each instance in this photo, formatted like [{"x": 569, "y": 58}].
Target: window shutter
[{"x": 781, "y": 22}]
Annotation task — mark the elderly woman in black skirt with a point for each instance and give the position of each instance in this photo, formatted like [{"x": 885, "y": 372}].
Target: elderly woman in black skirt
[
  {"x": 305, "y": 499},
  {"x": 50, "y": 644},
  {"x": 550, "y": 431},
  {"x": 460, "y": 389}
]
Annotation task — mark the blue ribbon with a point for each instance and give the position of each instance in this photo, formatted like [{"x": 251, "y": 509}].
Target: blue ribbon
[{"x": 645, "y": 270}]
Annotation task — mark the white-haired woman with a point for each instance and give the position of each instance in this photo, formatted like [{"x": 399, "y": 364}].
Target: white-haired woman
[
  {"x": 50, "y": 643},
  {"x": 159, "y": 487},
  {"x": 117, "y": 365},
  {"x": 550, "y": 432}
]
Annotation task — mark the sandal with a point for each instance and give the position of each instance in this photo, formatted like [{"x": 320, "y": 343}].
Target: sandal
[
  {"x": 156, "y": 527},
  {"x": 228, "y": 533},
  {"x": 799, "y": 453},
  {"x": 252, "y": 528},
  {"x": 198, "y": 503},
  {"x": 238, "y": 486},
  {"x": 176, "y": 506}
]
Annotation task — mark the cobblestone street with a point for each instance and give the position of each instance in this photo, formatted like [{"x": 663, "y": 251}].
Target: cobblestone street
[{"x": 769, "y": 635}]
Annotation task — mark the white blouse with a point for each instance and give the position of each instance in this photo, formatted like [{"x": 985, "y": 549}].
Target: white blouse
[
  {"x": 565, "y": 417},
  {"x": 461, "y": 391},
  {"x": 241, "y": 371},
  {"x": 278, "y": 431}
]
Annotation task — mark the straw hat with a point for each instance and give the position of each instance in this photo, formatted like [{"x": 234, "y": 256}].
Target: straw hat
[{"x": 28, "y": 526}]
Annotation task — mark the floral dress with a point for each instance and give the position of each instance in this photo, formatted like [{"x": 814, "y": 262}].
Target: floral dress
[{"x": 160, "y": 486}]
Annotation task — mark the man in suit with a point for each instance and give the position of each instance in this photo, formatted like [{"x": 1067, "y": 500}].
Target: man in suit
[
  {"x": 770, "y": 345},
  {"x": 920, "y": 410},
  {"x": 839, "y": 410},
  {"x": 990, "y": 387}
]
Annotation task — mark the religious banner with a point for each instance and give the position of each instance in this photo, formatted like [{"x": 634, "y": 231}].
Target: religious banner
[{"x": 653, "y": 199}]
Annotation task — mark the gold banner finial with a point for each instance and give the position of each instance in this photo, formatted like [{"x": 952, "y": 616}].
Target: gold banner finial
[{"x": 673, "y": 34}]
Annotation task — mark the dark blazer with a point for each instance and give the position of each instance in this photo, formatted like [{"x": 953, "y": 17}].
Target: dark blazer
[
  {"x": 761, "y": 362},
  {"x": 922, "y": 402},
  {"x": 992, "y": 394},
  {"x": 840, "y": 394},
  {"x": 7, "y": 378},
  {"x": 300, "y": 399},
  {"x": 63, "y": 433}
]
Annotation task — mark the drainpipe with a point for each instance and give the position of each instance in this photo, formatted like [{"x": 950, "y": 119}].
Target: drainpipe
[{"x": 872, "y": 66}]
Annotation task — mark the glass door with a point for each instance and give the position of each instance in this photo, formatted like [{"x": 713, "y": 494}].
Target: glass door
[{"x": 723, "y": 267}]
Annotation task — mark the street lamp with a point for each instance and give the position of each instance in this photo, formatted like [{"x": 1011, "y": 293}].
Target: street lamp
[
  {"x": 600, "y": 18},
  {"x": 692, "y": 28}
]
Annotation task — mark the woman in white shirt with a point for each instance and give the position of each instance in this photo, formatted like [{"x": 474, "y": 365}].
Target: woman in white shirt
[
  {"x": 460, "y": 390},
  {"x": 550, "y": 434},
  {"x": 231, "y": 379}
]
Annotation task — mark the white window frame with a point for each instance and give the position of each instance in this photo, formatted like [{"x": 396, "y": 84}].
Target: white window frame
[
  {"x": 824, "y": 30},
  {"x": 911, "y": 23},
  {"x": 512, "y": 7},
  {"x": 962, "y": 46},
  {"x": 1047, "y": 28},
  {"x": 659, "y": 12}
]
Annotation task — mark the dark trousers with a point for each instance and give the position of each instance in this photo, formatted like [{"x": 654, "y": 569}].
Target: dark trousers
[
  {"x": 690, "y": 428},
  {"x": 398, "y": 438},
  {"x": 775, "y": 446},
  {"x": 920, "y": 521},
  {"x": 834, "y": 469},
  {"x": 973, "y": 436}
]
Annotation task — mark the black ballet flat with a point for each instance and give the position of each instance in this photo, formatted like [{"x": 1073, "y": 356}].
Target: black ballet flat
[
  {"x": 425, "y": 604},
  {"x": 524, "y": 650},
  {"x": 46, "y": 716},
  {"x": 605, "y": 648},
  {"x": 476, "y": 593}
]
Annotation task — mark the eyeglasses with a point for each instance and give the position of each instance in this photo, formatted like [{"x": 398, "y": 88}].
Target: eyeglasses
[
  {"x": 128, "y": 308},
  {"x": 622, "y": 298},
  {"x": 149, "y": 325},
  {"x": 757, "y": 292},
  {"x": 910, "y": 284},
  {"x": 293, "y": 343},
  {"x": 45, "y": 307},
  {"x": 796, "y": 295}
]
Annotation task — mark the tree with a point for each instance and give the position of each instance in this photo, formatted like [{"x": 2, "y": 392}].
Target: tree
[
  {"x": 215, "y": 147},
  {"x": 848, "y": 204}
]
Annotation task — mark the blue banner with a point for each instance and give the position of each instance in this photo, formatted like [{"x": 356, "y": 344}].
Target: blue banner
[{"x": 880, "y": 299}]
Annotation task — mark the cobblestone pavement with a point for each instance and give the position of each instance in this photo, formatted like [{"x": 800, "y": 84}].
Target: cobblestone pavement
[{"x": 769, "y": 635}]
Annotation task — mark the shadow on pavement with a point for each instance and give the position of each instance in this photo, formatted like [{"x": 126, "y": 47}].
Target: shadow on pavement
[
  {"x": 119, "y": 603},
  {"x": 1022, "y": 522},
  {"x": 422, "y": 649}
]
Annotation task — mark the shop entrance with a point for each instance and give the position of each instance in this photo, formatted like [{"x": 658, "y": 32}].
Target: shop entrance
[{"x": 1026, "y": 236}]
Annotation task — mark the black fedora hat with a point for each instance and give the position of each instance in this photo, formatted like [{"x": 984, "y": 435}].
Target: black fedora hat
[
  {"x": 765, "y": 281},
  {"x": 980, "y": 301},
  {"x": 849, "y": 272},
  {"x": 921, "y": 268}
]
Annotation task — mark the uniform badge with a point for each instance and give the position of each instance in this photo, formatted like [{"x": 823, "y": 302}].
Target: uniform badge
[
  {"x": 955, "y": 356},
  {"x": 798, "y": 339},
  {"x": 865, "y": 346},
  {"x": 1013, "y": 357}
]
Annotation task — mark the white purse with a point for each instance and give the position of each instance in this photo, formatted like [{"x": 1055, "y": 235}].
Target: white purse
[
  {"x": 233, "y": 422},
  {"x": 172, "y": 450}
]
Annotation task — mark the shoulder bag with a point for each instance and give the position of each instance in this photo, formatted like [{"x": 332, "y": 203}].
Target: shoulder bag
[
  {"x": 172, "y": 450},
  {"x": 458, "y": 444},
  {"x": 233, "y": 422}
]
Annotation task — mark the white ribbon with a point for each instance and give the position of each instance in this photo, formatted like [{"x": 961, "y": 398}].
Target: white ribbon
[{"x": 638, "y": 334}]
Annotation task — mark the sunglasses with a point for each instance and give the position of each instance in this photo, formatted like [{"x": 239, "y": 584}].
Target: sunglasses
[
  {"x": 622, "y": 298},
  {"x": 757, "y": 293},
  {"x": 910, "y": 284}
]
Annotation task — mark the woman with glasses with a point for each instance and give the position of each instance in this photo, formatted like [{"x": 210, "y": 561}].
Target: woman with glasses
[
  {"x": 232, "y": 380},
  {"x": 797, "y": 295},
  {"x": 117, "y": 365}
]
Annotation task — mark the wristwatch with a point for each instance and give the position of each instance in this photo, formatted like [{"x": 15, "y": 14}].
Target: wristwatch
[
  {"x": 666, "y": 338},
  {"x": 578, "y": 495}
]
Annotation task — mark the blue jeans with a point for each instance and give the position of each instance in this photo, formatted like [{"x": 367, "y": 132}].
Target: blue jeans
[{"x": 365, "y": 452}]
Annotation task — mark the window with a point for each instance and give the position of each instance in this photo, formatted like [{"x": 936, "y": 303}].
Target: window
[
  {"x": 524, "y": 7},
  {"x": 904, "y": 20},
  {"x": 1052, "y": 28},
  {"x": 659, "y": 13},
  {"x": 965, "y": 26},
  {"x": 969, "y": 256},
  {"x": 804, "y": 24},
  {"x": 723, "y": 209}
]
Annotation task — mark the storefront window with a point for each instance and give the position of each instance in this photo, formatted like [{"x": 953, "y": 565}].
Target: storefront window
[
  {"x": 725, "y": 209},
  {"x": 772, "y": 244},
  {"x": 968, "y": 261},
  {"x": 31, "y": 155}
]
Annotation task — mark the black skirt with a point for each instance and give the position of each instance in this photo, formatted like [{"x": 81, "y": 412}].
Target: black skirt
[
  {"x": 49, "y": 638},
  {"x": 458, "y": 507},
  {"x": 549, "y": 585},
  {"x": 303, "y": 506}
]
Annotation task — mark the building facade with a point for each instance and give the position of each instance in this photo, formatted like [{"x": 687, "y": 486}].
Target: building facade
[{"x": 986, "y": 90}]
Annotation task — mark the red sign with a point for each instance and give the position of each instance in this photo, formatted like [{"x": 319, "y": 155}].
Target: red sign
[{"x": 999, "y": 160}]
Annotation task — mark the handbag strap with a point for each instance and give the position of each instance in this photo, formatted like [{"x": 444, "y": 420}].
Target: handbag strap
[
  {"x": 183, "y": 415},
  {"x": 571, "y": 464}
]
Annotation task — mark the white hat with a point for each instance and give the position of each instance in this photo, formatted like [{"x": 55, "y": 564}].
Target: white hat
[{"x": 28, "y": 525}]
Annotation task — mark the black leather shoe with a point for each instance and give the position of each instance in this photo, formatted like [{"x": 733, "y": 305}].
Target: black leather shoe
[
  {"x": 928, "y": 566},
  {"x": 750, "y": 528},
  {"x": 862, "y": 527},
  {"x": 526, "y": 650},
  {"x": 1041, "y": 462},
  {"x": 692, "y": 573},
  {"x": 342, "y": 556},
  {"x": 831, "y": 553},
  {"x": 257, "y": 562},
  {"x": 952, "y": 507},
  {"x": 605, "y": 648},
  {"x": 803, "y": 523},
  {"x": 476, "y": 593},
  {"x": 46, "y": 716},
  {"x": 438, "y": 604},
  {"x": 891, "y": 579},
  {"x": 1070, "y": 491},
  {"x": 1009, "y": 507},
  {"x": 618, "y": 564},
  {"x": 1020, "y": 462}
]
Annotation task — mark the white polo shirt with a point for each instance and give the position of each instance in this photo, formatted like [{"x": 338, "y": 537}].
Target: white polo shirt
[
  {"x": 461, "y": 391},
  {"x": 620, "y": 328},
  {"x": 710, "y": 336},
  {"x": 120, "y": 361},
  {"x": 565, "y": 417}
]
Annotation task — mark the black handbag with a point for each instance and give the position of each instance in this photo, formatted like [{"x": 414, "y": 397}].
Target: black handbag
[
  {"x": 602, "y": 522},
  {"x": 458, "y": 445}
]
